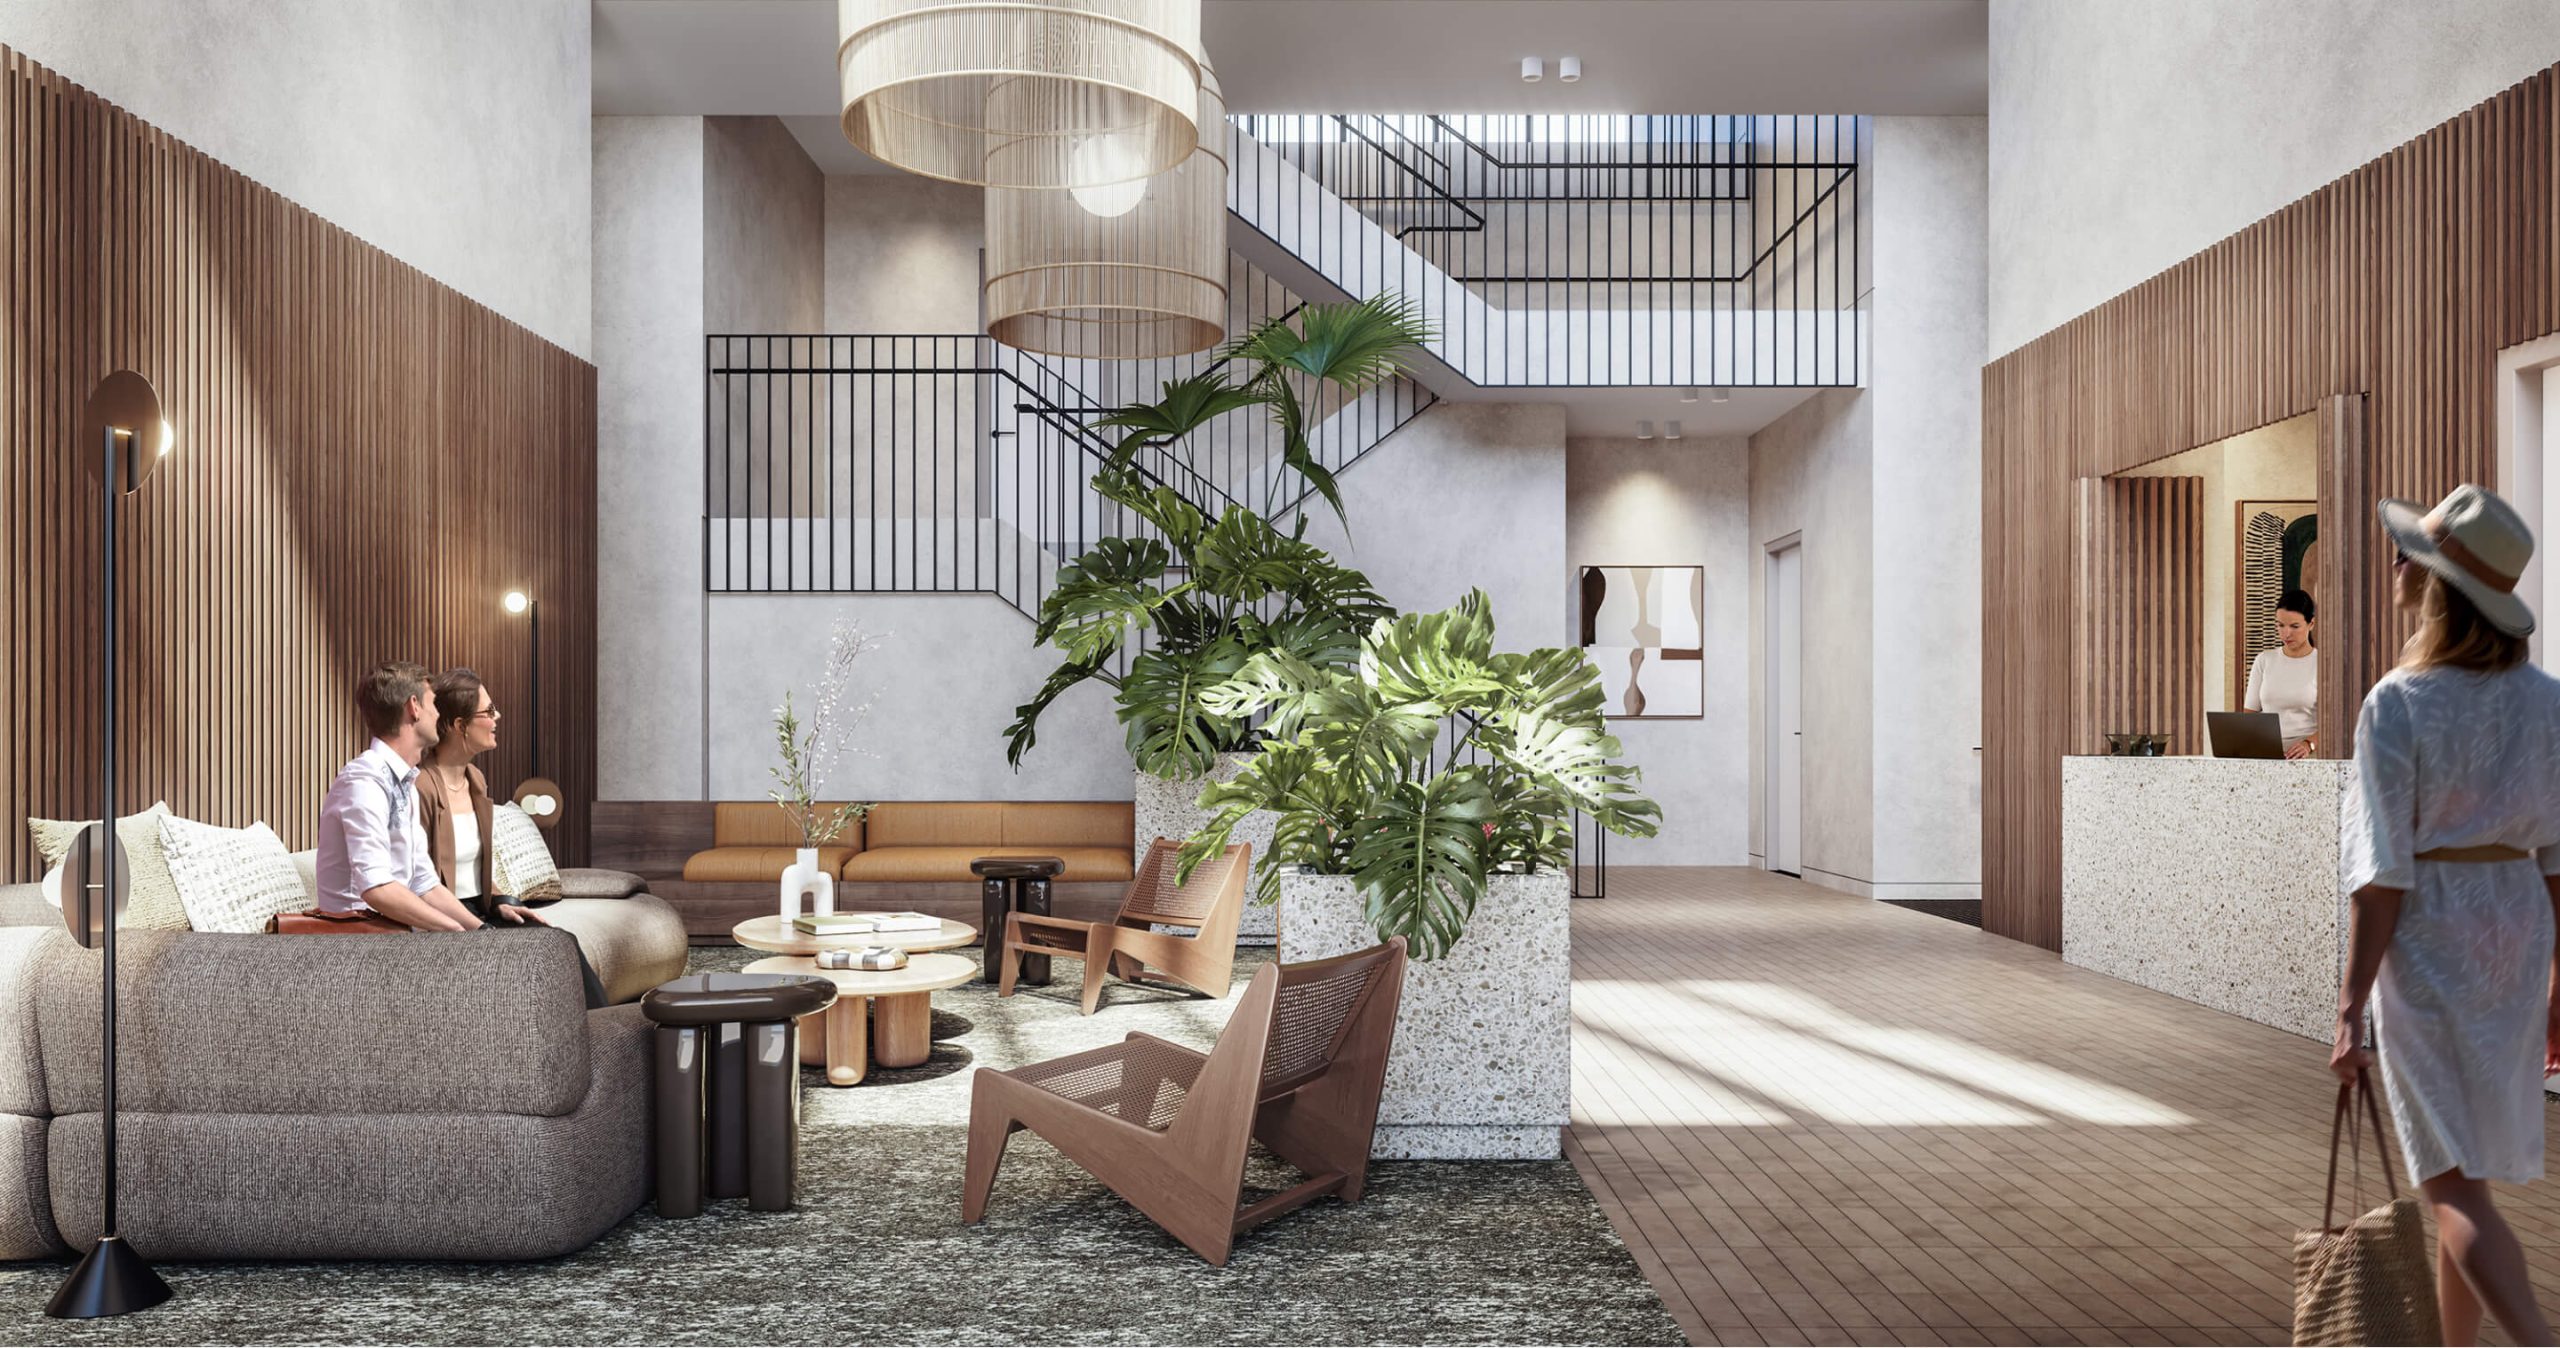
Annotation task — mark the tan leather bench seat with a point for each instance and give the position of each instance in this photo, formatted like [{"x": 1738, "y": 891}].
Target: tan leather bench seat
[
  {"x": 925, "y": 841},
  {"x": 891, "y": 865},
  {"x": 757, "y": 863}
]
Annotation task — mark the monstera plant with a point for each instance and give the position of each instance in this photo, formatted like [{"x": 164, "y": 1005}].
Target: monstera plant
[
  {"x": 1429, "y": 763},
  {"x": 1188, "y": 600}
]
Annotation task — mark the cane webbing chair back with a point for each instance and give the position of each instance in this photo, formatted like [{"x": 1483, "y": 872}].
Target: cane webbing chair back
[
  {"x": 1155, "y": 897},
  {"x": 1317, "y": 1010}
]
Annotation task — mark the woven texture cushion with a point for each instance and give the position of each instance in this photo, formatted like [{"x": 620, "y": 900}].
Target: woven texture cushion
[
  {"x": 153, "y": 903},
  {"x": 756, "y": 863},
  {"x": 231, "y": 879},
  {"x": 524, "y": 867},
  {"x": 892, "y": 865},
  {"x": 591, "y": 882},
  {"x": 1069, "y": 823},
  {"x": 936, "y": 823},
  {"x": 761, "y": 823}
]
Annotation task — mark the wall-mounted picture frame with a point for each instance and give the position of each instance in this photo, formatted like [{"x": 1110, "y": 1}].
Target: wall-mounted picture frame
[
  {"x": 1646, "y": 629},
  {"x": 2276, "y": 548}
]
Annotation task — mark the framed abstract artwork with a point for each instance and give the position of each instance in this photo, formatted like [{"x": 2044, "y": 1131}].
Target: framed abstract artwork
[
  {"x": 2276, "y": 548},
  {"x": 1646, "y": 628}
]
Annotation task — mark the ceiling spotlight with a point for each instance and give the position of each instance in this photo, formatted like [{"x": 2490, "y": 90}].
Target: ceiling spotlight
[
  {"x": 1720, "y": 395},
  {"x": 1644, "y": 430},
  {"x": 1569, "y": 68},
  {"x": 1688, "y": 395},
  {"x": 1671, "y": 430},
  {"x": 1532, "y": 70}
]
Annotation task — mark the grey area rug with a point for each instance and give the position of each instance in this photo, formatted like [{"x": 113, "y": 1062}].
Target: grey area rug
[{"x": 876, "y": 1253}]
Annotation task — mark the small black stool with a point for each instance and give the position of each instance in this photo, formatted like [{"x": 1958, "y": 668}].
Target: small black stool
[
  {"x": 728, "y": 1086},
  {"x": 1012, "y": 885}
]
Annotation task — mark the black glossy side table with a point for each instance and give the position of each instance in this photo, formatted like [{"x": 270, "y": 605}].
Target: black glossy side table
[
  {"x": 1012, "y": 885},
  {"x": 727, "y": 1062}
]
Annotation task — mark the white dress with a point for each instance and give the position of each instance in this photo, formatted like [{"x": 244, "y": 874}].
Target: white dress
[{"x": 2449, "y": 758}]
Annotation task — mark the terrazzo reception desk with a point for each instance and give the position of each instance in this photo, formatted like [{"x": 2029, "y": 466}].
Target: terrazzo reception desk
[{"x": 2212, "y": 879}]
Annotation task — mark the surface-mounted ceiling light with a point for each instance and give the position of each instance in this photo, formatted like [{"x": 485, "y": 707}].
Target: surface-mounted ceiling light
[
  {"x": 1012, "y": 93},
  {"x": 1569, "y": 68},
  {"x": 1671, "y": 430},
  {"x": 1532, "y": 70},
  {"x": 1688, "y": 395},
  {"x": 1147, "y": 280},
  {"x": 1721, "y": 395},
  {"x": 1644, "y": 430}
]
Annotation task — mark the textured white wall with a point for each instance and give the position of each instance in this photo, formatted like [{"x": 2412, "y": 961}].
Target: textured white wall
[
  {"x": 649, "y": 391},
  {"x": 902, "y": 254},
  {"x": 2126, "y": 137},
  {"x": 764, "y": 229},
  {"x": 452, "y": 134},
  {"x": 1678, "y": 503},
  {"x": 1926, "y": 383}
]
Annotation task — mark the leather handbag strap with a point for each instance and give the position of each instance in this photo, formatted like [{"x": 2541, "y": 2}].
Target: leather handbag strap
[{"x": 2344, "y": 1119}]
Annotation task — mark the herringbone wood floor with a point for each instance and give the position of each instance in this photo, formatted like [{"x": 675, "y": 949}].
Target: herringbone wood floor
[{"x": 1820, "y": 1119}]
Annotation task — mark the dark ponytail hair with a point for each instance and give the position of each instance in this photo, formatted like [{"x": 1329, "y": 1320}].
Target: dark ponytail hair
[{"x": 457, "y": 700}]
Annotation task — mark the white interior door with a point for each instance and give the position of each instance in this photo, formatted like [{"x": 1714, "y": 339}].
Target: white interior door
[{"x": 1785, "y": 813}]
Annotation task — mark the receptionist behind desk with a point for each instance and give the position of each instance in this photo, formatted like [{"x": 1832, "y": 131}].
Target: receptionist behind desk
[{"x": 2286, "y": 679}]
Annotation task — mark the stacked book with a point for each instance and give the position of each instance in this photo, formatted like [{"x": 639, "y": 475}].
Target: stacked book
[{"x": 864, "y": 924}]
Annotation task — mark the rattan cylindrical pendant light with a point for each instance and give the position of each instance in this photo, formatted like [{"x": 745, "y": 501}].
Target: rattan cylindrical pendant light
[
  {"x": 1049, "y": 94},
  {"x": 1102, "y": 275}
]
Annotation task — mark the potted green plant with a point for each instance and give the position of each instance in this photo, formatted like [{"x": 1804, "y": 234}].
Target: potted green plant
[{"x": 1427, "y": 790}]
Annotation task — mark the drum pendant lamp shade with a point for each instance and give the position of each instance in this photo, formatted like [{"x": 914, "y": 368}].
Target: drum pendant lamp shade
[
  {"x": 1045, "y": 94},
  {"x": 1082, "y": 274}
]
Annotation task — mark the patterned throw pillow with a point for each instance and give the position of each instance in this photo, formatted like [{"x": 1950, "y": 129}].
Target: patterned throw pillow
[
  {"x": 232, "y": 879},
  {"x": 152, "y": 903},
  {"x": 523, "y": 865}
]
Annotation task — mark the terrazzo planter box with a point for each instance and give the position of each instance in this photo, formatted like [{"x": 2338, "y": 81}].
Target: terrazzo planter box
[
  {"x": 2211, "y": 879},
  {"x": 1482, "y": 1068},
  {"x": 1166, "y": 810}
]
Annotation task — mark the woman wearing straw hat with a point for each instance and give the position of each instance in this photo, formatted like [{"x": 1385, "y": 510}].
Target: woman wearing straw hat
[{"x": 2453, "y": 827}]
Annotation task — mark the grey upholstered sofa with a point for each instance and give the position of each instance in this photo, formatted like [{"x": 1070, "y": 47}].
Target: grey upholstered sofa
[{"x": 349, "y": 1097}]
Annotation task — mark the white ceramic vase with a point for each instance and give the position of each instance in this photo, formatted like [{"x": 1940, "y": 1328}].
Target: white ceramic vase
[{"x": 806, "y": 879}]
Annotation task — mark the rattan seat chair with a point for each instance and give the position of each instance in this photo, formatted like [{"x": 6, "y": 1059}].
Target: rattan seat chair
[
  {"x": 1202, "y": 959},
  {"x": 1299, "y": 1069}
]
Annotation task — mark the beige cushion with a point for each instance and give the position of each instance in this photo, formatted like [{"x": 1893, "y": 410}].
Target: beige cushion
[
  {"x": 152, "y": 904},
  {"x": 593, "y": 882},
  {"x": 1070, "y": 823},
  {"x": 891, "y": 865},
  {"x": 523, "y": 865},
  {"x": 761, "y": 823},
  {"x": 756, "y": 863},
  {"x": 231, "y": 879},
  {"x": 936, "y": 823}
]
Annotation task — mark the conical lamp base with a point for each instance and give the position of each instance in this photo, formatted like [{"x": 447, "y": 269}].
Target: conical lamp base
[{"x": 111, "y": 1280}]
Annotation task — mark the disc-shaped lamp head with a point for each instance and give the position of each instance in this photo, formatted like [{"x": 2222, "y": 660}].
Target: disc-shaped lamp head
[
  {"x": 539, "y": 798},
  {"x": 125, "y": 403}
]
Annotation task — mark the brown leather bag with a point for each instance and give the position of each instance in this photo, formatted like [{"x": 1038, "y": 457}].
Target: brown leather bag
[{"x": 317, "y": 922}]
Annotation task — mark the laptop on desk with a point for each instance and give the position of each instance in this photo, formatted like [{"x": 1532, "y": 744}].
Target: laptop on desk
[{"x": 2245, "y": 734}]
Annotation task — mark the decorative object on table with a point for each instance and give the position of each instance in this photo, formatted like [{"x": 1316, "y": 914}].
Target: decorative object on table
[
  {"x": 122, "y": 438},
  {"x": 898, "y": 1003},
  {"x": 1183, "y": 929},
  {"x": 728, "y": 1086},
  {"x": 2371, "y": 1280},
  {"x": 1246, "y": 586},
  {"x": 1299, "y": 1066},
  {"x": 155, "y": 903},
  {"x": 1009, "y": 885},
  {"x": 879, "y": 958},
  {"x": 2277, "y": 544},
  {"x": 802, "y": 770},
  {"x": 1055, "y": 95},
  {"x": 1645, "y": 627},
  {"x": 832, "y": 924},
  {"x": 523, "y": 866},
  {"x": 231, "y": 879},
  {"x": 770, "y": 932},
  {"x": 1136, "y": 271}
]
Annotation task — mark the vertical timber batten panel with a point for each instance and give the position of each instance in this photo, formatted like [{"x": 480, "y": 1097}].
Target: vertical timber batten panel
[
  {"x": 2379, "y": 302},
  {"x": 365, "y": 461}
]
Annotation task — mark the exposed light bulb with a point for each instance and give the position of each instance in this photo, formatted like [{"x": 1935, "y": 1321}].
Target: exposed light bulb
[
  {"x": 1532, "y": 70},
  {"x": 515, "y": 602},
  {"x": 1569, "y": 68},
  {"x": 1118, "y": 171}
]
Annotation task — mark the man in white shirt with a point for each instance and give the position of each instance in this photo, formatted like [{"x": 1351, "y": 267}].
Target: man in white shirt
[{"x": 373, "y": 849}]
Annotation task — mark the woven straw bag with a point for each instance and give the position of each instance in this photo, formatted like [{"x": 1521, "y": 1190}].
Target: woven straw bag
[{"x": 2369, "y": 1281}]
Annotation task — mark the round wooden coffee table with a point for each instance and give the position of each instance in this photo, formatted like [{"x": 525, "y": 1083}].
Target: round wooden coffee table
[
  {"x": 771, "y": 933},
  {"x": 897, "y": 1002}
]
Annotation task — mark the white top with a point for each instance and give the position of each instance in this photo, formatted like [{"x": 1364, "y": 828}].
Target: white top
[
  {"x": 2288, "y": 687},
  {"x": 369, "y": 832},
  {"x": 2449, "y": 758},
  {"x": 466, "y": 855}
]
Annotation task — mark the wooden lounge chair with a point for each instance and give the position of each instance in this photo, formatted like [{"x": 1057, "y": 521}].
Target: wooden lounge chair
[
  {"x": 1203, "y": 960},
  {"x": 1298, "y": 1069}
]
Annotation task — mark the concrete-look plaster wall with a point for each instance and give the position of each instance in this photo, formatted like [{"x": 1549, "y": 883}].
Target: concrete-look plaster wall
[
  {"x": 902, "y": 254},
  {"x": 2126, "y": 137},
  {"x": 1928, "y": 314},
  {"x": 649, "y": 392},
  {"x": 1812, "y": 474},
  {"x": 453, "y": 136},
  {"x": 1678, "y": 503},
  {"x": 764, "y": 228}
]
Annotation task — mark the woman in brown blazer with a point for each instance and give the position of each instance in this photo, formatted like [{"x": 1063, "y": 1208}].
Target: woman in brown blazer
[{"x": 460, "y": 819}]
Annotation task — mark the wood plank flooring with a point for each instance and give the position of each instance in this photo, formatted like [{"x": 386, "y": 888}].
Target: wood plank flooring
[{"x": 1820, "y": 1119}]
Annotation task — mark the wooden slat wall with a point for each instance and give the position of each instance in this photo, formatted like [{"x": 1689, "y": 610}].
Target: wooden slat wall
[
  {"x": 365, "y": 462},
  {"x": 2138, "y": 611},
  {"x": 2391, "y": 289}
]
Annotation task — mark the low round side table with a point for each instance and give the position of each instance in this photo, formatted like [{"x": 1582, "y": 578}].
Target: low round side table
[
  {"x": 898, "y": 1003},
  {"x": 1012, "y": 885},
  {"x": 771, "y": 933},
  {"x": 728, "y": 1094}
]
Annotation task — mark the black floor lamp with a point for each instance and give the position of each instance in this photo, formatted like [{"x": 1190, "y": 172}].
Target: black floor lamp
[
  {"x": 538, "y": 796},
  {"x": 122, "y": 428}
]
